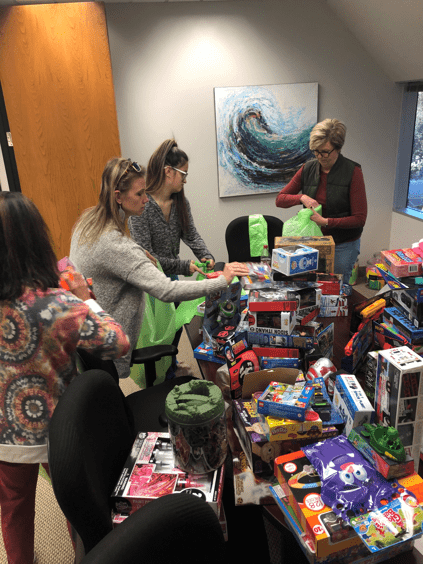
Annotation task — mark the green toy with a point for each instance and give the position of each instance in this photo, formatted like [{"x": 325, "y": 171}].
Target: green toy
[{"x": 385, "y": 440}]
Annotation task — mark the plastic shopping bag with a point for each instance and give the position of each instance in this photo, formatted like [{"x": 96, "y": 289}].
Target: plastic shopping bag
[
  {"x": 257, "y": 229},
  {"x": 158, "y": 328},
  {"x": 301, "y": 225}
]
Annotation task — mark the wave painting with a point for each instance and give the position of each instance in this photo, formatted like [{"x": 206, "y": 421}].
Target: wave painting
[{"x": 262, "y": 135}]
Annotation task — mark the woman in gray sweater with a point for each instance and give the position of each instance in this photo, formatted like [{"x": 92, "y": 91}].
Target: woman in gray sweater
[
  {"x": 121, "y": 270},
  {"x": 167, "y": 217}
]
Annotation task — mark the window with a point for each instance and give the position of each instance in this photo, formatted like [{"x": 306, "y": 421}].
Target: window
[{"x": 409, "y": 180}]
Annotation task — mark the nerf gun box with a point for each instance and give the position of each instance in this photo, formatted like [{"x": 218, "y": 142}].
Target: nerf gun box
[
  {"x": 295, "y": 259},
  {"x": 399, "y": 396},
  {"x": 150, "y": 472},
  {"x": 351, "y": 401},
  {"x": 392, "y": 316},
  {"x": 325, "y": 246}
]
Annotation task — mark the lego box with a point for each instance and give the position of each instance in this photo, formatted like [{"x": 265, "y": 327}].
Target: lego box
[
  {"x": 283, "y": 400},
  {"x": 295, "y": 259},
  {"x": 399, "y": 396},
  {"x": 349, "y": 398},
  {"x": 325, "y": 246}
]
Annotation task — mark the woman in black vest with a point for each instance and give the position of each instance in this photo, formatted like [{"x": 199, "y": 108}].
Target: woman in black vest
[{"x": 337, "y": 184}]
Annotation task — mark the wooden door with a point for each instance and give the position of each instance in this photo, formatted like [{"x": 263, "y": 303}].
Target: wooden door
[{"x": 55, "y": 70}]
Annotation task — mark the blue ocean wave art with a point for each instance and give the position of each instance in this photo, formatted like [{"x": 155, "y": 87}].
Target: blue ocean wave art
[{"x": 262, "y": 135}]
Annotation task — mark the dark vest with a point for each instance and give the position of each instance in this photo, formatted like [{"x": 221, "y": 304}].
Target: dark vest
[{"x": 337, "y": 192}]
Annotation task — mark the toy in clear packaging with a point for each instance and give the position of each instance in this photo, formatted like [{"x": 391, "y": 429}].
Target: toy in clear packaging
[{"x": 350, "y": 484}]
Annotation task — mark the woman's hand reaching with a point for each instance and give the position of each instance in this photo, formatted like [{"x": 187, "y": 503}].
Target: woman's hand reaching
[
  {"x": 233, "y": 269},
  {"x": 309, "y": 202},
  {"x": 76, "y": 283}
]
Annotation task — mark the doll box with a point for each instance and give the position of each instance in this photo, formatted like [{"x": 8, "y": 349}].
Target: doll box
[
  {"x": 351, "y": 401},
  {"x": 399, "y": 396},
  {"x": 295, "y": 259},
  {"x": 149, "y": 472},
  {"x": 325, "y": 246}
]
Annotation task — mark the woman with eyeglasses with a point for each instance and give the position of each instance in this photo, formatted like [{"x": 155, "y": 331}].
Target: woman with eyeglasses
[
  {"x": 337, "y": 184},
  {"x": 121, "y": 270},
  {"x": 167, "y": 216},
  {"x": 41, "y": 326}
]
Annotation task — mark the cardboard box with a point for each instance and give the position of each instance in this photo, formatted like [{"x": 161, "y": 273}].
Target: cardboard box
[
  {"x": 351, "y": 401},
  {"x": 402, "y": 262},
  {"x": 272, "y": 322},
  {"x": 399, "y": 396},
  {"x": 325, "y": 246},
  {"x": 408, "y": 301},
  {"x": 330, "y": 284},
  {"x": 397, "y": 319},
  {"x": 294, "y": 259},
  {"x": 302, "y": 337},
  {"x": 328, "y": 532},
  {"x": 150, "y": 472},
  {"x": 289, "y": 402},
  {"x": 333, "y": 306},
  {"x": 389, "y": 468},
  {"x": 260, "y": 449}
]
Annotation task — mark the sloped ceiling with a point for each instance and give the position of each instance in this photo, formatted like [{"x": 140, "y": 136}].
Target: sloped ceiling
[{"x": 391, "y": 31}]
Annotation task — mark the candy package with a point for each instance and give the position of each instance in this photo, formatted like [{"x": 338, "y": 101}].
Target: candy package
[{"x": 351, "y": 486}]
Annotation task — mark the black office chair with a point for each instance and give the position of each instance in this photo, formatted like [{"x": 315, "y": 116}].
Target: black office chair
[
  {"x": 238, "y": 240},
  {"x": 90, "y": 437},
  {"x": 147, "y": 356}
]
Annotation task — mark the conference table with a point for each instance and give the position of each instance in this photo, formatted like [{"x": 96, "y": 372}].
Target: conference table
[{"x": 210, "y": 371}]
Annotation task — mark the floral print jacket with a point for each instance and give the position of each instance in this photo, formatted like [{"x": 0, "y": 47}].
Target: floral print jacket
[{"x": 39, "y": 334}]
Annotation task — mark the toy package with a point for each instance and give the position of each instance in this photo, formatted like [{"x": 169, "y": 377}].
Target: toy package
[
  {"x": 295, "y": 259},
  {"x": 325, "y": 246},
  {"x": 283, "y": 400},
  {"x": 222, "y": 308},
  {"x": 150, "y": 472},
  {"x": 351, "y": 401},
  {"x": 259, "y": 276},
  {"x": 350, "y": 485},
  {"x": 241, "y": 360},
  {"x": 402, "y": 262}
]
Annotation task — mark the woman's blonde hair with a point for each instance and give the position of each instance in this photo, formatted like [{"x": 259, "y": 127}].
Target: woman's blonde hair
[
  {"x": 331, "y": 130},
  {"x": 118, "y": 174}
]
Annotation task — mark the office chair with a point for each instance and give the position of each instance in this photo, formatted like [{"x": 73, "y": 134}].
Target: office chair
[
  {"x": 147, "y": 356},
  {"x": 90, "y": 437},
  {"x": 238, "y": 240}
]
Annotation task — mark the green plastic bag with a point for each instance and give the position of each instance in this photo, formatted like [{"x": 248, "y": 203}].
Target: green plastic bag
[
  {"x": 301, "y": 225},
  {"x": 158, "y": 328},
  {"x": 257, "y": 229}
]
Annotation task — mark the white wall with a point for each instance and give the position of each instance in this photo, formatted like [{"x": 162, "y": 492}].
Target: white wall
[{"x": 168, "y": 57}]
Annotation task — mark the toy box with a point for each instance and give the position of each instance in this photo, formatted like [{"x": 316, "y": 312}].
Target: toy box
[
  {"x": 301, "y": 484},
  {"x": 205, "y": 352},
  {"x": 392, "y": 316},
  {"x": 399, "y": 396},
  {"x": 325, "y": 246},
  {"x": 330, "y": 284},
  {"x": 402, "y": 262},
  {"x": 150, "y": 472},
  {"x": 279, "y": 362},
  {"x": 222, "y": 308},
  {"x": 260, "y": 449},
  {"x": 294, "y": 259},
  {"x": 351, "y": 401},
  {"x": 241, "y": 360},
  {"x": 302, "y": 337},
  {"x": 284, "y": 400},
  {"x": 389, "y": 468},
  {"x": 333, "y": 306},
  {"x": 272, "y": 322},
  {"x": 408, "y": 302},
  {"x": 358, "y": 347},
  {"x": 359, "y": 554}
]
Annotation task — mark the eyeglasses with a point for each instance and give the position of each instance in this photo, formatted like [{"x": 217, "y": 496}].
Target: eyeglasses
[
  {"x": 131, "y": 164},
  {"x": 323, "y": 154},
  {"x": 184, "y": 174}
]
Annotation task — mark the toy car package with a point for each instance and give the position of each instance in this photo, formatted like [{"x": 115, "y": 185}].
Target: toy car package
[{"x": 241, "y": 360}]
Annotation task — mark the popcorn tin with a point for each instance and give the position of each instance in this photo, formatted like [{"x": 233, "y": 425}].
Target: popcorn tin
[{"x": 197, "y": 426}]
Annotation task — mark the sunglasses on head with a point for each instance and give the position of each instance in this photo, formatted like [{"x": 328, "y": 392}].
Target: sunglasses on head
[{"x": 131, "y": 164}]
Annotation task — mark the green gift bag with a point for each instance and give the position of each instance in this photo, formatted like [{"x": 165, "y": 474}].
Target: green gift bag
[{"x": 301, "y": 225}]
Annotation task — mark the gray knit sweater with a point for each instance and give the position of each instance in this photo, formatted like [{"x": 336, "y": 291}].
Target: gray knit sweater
[
  {"x": 121, "y": 273},
  {"x": 162, "y": 238}
]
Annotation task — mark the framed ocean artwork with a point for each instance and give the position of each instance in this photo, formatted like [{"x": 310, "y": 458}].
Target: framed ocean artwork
[{"x": 262, "y": 135}]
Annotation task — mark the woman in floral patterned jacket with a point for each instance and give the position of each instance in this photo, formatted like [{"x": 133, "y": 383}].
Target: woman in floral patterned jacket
[{"x": 41, "y": 326}]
